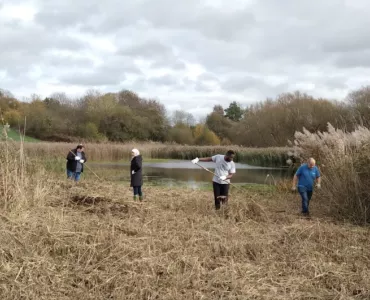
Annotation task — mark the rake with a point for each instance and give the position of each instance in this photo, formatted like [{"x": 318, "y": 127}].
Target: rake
[{"x": 204, "y": 168}]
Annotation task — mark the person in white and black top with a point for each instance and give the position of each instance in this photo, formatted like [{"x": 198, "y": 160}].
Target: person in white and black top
[{"x": 225, "y": 169}]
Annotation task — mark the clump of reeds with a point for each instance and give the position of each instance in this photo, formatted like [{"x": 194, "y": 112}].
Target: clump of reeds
[
  {"x": 105, "y": 152},
  {"x": 343, "y": 158}
]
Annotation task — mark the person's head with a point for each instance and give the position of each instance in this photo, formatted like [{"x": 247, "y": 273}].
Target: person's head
[
  {"x": 135, "y": 152},
  {"x": 80, "y": 148},
  {"x": 311, "y": 163},
  {"x": 229, "y": 156}
]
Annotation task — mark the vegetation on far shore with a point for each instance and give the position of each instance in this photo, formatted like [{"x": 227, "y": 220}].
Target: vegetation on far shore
[
  {"x": 115, "y": 152},
  {"x": 124, "y": 116}
]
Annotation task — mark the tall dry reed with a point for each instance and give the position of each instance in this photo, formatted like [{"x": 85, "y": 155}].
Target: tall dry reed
[
  {"x": 275, "y": 157},
  {"x": 344, "y": 159}
]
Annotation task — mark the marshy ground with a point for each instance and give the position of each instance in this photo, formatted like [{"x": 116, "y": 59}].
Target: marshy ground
[{"x": 92, "y": 241}]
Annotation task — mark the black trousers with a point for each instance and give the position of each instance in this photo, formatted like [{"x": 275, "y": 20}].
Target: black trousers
[
  {"x": 220, "y": 190},
  {"x": 137, "y": 190}
]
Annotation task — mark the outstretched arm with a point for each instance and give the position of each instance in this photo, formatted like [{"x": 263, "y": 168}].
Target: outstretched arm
[
  {"x": 205, "y": 159},
  {"x": 196, "y": 160}
]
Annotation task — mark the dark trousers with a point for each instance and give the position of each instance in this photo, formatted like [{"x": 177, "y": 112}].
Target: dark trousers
[
  {"x": 137, "y": 191},
  {"x": 220, "y": 190},
  {"x": 306, "y": 196}
]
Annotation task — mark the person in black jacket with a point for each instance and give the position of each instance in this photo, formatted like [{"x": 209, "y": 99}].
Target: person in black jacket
[
  {"x": 75, "y": 162},
  {"x": 136, "y": 173}
]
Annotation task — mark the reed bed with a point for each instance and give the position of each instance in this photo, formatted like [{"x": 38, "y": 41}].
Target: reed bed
[
  {"x": 272, "y": 157},
  {"x": 61, "y": 240}
]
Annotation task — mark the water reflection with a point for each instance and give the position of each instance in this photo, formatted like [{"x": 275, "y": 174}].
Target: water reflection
[{"x": 173, "y": 172}]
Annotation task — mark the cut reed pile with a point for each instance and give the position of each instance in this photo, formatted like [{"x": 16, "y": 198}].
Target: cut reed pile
[{"x": 115, "y": 152}]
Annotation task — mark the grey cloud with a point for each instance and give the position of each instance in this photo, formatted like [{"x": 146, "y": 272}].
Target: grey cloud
[
  {"x": 202, "y": 87},
  {"x": 25, "y": 46},
  {"x": 92, "y": 79},
  {"x": 208, "y": 77},
  {"x": 158, "y": 53},
  {"x": 238, "y": 45},
  {"x": 355, "y": 59},
  {"x": 64, "y": 14},
  {"x": 60, "y": 61},
  {"x": 31, "y": 38},
  {"x": 165, "y": 80},
  {"x": 241, "y": 84},
  {"x": 172, "y": 63},
  {"x": 190, "y": 14},
  {"x": 198, "y": 85},
  {"x": 113, "y": 71},
  {"x": 147, "y": 49}
]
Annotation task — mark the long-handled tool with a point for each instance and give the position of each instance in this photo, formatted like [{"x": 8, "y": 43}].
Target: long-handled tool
[
  {"x": 204, "y": 168},
  {"x": 238, "y": 188},
  {"x": 86, "y": 166}
]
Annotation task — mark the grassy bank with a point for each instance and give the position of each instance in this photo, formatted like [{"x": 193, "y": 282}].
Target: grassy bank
[
  {"x": 273, "y": 157},
  {"x": 15, "y": 136}
]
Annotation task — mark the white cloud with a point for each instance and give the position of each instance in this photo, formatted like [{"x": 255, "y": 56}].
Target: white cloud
[{"x": 189, "y": 54}]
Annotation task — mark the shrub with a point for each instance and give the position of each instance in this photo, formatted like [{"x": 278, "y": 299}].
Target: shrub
[{"x": 181, "y": 135}]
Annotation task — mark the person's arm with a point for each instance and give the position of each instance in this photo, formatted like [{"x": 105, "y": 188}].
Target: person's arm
[
  {"x": 137, "y": 165},
  {"x": 295, "y": 178},
  {"x": 71, "y": 156},
  {"x": 318, "y": 179},
  {"x": 206, "y": 159},
  {"x": 231, "y": 173}
]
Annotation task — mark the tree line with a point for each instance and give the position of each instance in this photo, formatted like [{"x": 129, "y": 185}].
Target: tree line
[{"x": 123, "y": 116}]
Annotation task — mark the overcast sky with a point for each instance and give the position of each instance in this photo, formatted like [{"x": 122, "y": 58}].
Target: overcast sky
[{"x": 189, "y": 54}]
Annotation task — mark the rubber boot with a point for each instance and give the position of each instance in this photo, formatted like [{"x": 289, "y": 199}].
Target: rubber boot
[
  {"x": 141, "y": 197},
  {"x": 135, "y": 197}
]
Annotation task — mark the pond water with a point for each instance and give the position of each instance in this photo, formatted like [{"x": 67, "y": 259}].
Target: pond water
[{"x": 184, "y": 172}]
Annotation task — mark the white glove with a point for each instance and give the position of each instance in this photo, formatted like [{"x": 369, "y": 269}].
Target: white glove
[
  {"x": 77, "y": 158},
  {"x": 223, "y": 177},
  {"x": 318, "y": 186},
  {"x": 294, "y": 188},
  {"x": 133, "y": 172},
  {"x": 195, "y": 160},
  {"x": 82, "y": 161}
]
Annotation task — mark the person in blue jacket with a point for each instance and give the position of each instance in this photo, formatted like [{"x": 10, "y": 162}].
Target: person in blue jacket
[{"x": 304, "y": 180}]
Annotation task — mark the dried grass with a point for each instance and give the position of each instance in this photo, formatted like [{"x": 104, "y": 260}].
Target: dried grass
[
  {"x": 115, "y": 152},
  {"x": 59, "y": 240},
  {"x": 93, "y": 242}
]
